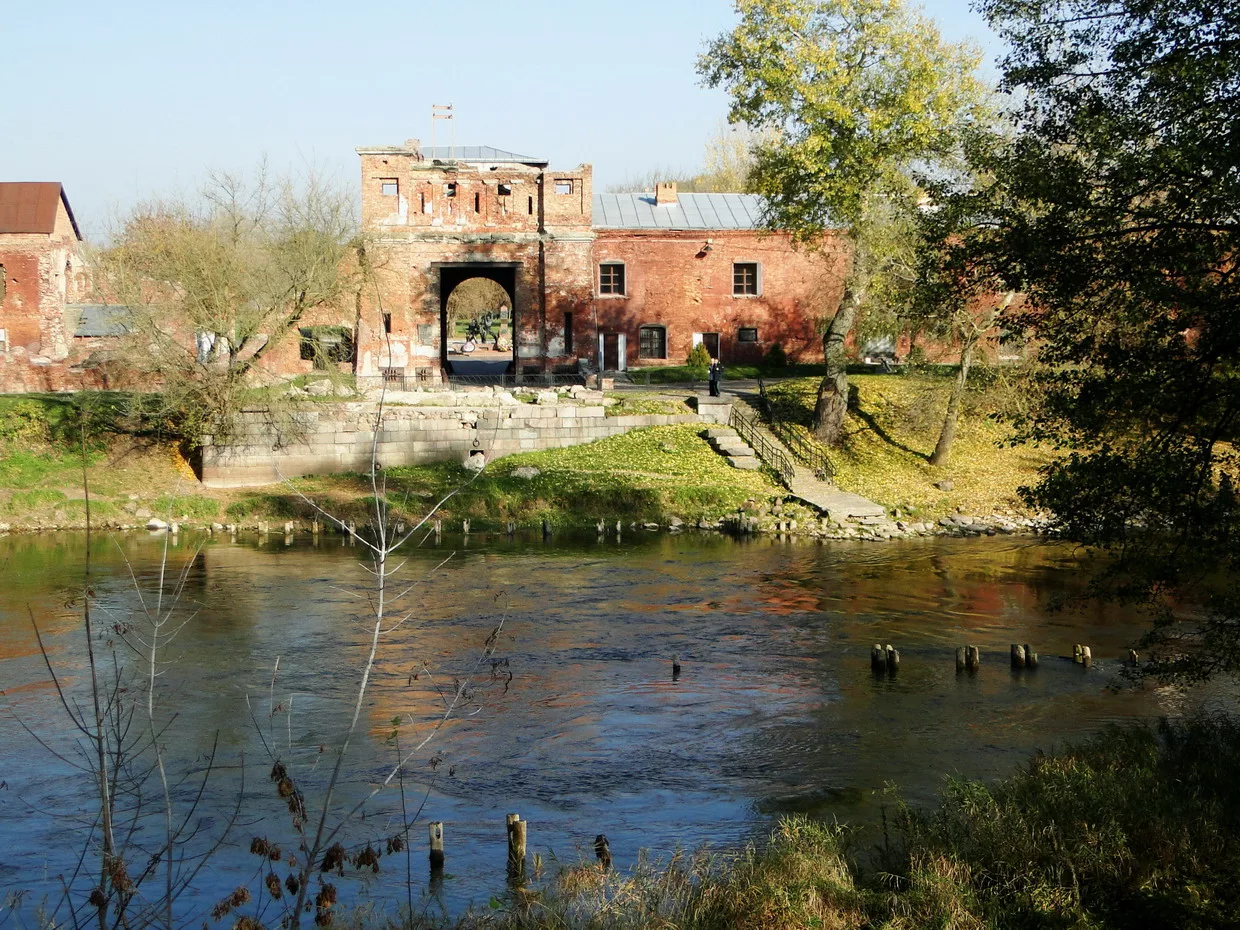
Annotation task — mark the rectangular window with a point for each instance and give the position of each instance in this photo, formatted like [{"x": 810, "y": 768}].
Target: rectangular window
[
  {"x": 564, "y": 185},
  {"x": 652, "y": 342},
  {"x": 611, "y": 278},
  {"x": 746, "y": 279},
  {"x": 747, "y": 334},
  {"x": 531, "y": 206},
  {"x": 505, "y": 190},
  {"x": 389, "y": 187},
  {"x": 326, "y": 344},
  {"x": 477, "y": 203},
  {"x": 387, "y": 322},
  {"x": 449, "y": 189},
  {"x": 568, "y": 334}
]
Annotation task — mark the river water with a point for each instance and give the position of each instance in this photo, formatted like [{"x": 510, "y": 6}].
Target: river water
[{"x": 574, "y": 721}]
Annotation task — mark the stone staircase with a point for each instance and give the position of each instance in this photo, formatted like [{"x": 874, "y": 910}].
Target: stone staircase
[
  {"x": 725, "y": 441},
  {"x": 834, "y": 503}
]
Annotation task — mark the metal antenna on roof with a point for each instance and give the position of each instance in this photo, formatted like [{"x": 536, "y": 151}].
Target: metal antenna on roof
[{"x": 443, "y": 111}]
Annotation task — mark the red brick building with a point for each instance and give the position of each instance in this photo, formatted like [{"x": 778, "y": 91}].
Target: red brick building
[
  {"x": 606, "y": 280},
  {"x": 46, "y": 332},
  {"x": 592, "y": 280}
]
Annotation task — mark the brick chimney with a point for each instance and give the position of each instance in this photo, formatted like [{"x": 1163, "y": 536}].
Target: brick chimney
[{"x": 665, "y": 193}]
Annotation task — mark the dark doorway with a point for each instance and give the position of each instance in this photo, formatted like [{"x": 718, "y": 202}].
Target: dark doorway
[
  {"x": 711, "y": 341},
  {"x": 612, "y": 350},
  {"x": 481, "y": 359}
]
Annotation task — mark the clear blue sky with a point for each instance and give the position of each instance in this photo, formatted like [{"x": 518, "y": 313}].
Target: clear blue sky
[{"x": 133, "y": 99}]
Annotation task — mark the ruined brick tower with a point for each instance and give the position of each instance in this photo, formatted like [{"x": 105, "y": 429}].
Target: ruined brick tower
[{"x": 437, "y": 217}]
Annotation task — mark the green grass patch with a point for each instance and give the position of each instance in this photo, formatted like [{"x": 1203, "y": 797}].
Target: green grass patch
[
  {"x": 647, "y": 474},
  {"x": 192, "y": 506},
  {"x": 641, "y": 404},
  {"x": 891, "y": 432}
]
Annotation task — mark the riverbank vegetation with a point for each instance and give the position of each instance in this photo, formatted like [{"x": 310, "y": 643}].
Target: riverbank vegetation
[
  {"x": 1135, "y": 828},
  {"x": 653, "y": 475},
  {"x": 890, "y": 434}
]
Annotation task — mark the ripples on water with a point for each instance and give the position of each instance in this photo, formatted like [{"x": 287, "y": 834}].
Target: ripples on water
[{"x": 776, "y": 709}]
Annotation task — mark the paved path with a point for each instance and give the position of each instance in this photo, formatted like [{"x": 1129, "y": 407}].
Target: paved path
[{"x": 837, "y": 504}]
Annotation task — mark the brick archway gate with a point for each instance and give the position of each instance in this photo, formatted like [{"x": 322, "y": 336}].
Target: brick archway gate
[{"x": 447, "y": 275}]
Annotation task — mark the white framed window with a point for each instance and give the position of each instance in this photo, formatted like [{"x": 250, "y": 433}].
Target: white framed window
[{"x": 746, "y": 279}]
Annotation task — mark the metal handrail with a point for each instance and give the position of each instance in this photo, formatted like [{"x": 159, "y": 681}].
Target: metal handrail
[
  {"x": 807, "y": 451},
  {"x": 748, "y": 427}
]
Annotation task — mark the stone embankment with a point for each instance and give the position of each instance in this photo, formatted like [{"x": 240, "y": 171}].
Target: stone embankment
[
  {"x": 419, "y": 427},
  {"x": 794, "y": 519},
  {"x": 785, "y": 518}
]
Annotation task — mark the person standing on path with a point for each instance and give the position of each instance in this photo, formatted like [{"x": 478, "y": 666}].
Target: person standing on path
[{"x": 716, "y": 372}]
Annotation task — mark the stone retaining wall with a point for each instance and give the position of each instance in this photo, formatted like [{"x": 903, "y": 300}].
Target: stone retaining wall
[{"x": 340, "y": 437}]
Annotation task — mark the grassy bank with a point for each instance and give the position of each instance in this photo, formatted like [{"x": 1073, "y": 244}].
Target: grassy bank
[
  {"x": 649, "y": 475},
  {"x": 891, "y": 431},
  {"x": 645, "y": 475},
  {"x": 1135, "y": 829}
]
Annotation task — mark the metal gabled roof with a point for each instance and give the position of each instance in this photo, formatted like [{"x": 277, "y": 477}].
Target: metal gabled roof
[
  {"x": 96, "y": 320},
  {"x": 690, "y": 211},
  {"x": 30, "y": 207},
  {"x": 480, "y": 154}
]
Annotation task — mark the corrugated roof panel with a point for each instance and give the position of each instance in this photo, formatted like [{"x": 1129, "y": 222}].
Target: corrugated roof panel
[
  {"x": 479, "y": 153},
  {"x": 691, "y": 211},
  {"x": 101, "y": 320}
]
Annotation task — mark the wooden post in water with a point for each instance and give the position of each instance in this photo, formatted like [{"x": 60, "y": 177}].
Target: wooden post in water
[
  {"x": 892, "y": 658},
  {"x": 1018, "y": 655},
  {"x": 603, "y": 850},
  {"x": 465, "y": 526},
  {"x": 438, "y": 529},
  {"x": 960, "y": 659},
  {"x": 675, "y": 667},
  {"x": 512, "y": 529},
  {"x": 546, "y": 528},
  {"x": 516, "y": 842},
  {"x": 1076, "y": 653},
  {"x": 878, "y": 659},
  {"x": 1133, "y": 658},
  {"x": 314, "y": 527},
  {"x": 1087, "y": 657},
  {"x": 436, "y": 832},
  {"x": 972, "y": 658},
  {"x": 1031, "y": 657},
  {"x": 602, "y": 527}
]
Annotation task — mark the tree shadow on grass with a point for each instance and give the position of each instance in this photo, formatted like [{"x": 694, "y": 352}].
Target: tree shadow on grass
[{"x": 873, "y": 425}]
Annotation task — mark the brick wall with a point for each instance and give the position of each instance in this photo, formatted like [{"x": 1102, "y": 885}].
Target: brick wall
[
  {"x": 42, "y": 272},
  {"x": 672, "y": 280}
]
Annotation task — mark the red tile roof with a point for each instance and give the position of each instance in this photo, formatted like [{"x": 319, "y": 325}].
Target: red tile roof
[{"x": 30, "y": 207}]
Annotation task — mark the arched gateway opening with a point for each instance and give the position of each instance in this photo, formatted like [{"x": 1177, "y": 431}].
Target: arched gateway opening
[{"x": 478, "y": 318}]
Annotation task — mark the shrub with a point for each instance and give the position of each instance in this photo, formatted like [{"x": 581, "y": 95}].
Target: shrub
[
  {"x": 699, "y": 357},
  {"x": 776, "y": 357}
]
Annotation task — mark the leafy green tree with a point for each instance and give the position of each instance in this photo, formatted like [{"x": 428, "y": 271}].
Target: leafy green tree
[
  {"x": 1122, "y": 223},
  {"x": 853, "y": 96}
]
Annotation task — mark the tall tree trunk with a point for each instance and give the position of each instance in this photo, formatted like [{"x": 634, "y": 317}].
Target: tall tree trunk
[
  {"x": 832, "y": 403},
  {"x": 947, "y": 435},
  {"x": 977, "y": 329}
]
